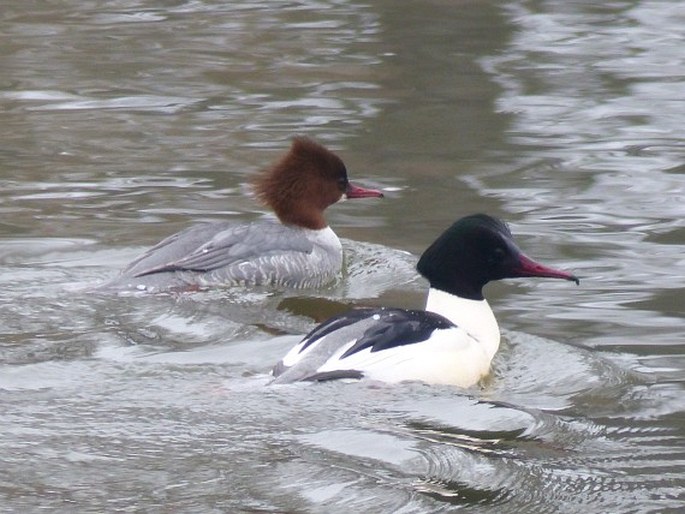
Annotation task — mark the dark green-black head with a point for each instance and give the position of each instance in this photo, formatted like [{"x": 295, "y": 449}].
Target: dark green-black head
[{"x": 475, "y": 250}]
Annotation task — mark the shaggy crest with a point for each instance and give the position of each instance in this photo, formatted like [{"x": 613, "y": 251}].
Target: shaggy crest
[{"x": 302, "y": 184}]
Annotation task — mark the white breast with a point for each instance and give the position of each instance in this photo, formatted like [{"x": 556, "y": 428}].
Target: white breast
[
  {"x": 327, "y": 240},
  {"x": 475, "y": 317}
]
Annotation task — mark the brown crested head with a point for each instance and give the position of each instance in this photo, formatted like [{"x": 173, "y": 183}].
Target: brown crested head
[{"x": 303, "y": 183}]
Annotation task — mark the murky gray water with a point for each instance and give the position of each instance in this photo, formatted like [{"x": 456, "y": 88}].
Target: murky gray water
[{"x": 122, "y": 122}]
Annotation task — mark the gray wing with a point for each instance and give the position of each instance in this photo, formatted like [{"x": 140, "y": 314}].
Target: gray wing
[{"x": 210, "y": 246}]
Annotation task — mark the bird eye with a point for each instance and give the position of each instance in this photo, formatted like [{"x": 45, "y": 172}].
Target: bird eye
[{"x": 497, "y": 255}]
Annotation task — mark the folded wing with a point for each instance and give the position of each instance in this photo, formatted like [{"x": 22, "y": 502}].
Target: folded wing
[
  {"x": 352, "y": 344},
  {"x": 207, "y": 247}
]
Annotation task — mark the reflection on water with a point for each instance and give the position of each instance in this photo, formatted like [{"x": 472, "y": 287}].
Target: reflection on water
[{"x": 123, "y": 123}]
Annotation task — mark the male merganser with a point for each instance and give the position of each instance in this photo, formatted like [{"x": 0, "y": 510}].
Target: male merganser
[
  {"x": 452, "y": 342},
  {"x": 299, "y": 250}
]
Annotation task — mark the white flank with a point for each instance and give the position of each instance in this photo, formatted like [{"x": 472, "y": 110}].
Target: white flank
[{"x": 457, "y": 356}]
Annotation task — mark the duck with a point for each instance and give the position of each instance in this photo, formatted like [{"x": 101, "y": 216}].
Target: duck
[
  {"x": 450, "y": 342},
  {"x": 297, "y": 249}
]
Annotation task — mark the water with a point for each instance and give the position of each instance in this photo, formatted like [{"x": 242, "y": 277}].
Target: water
[{"x": 123, "y": 122}]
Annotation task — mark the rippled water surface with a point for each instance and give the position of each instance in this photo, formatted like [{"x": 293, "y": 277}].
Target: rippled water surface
[{"x": 124, "y": 121}]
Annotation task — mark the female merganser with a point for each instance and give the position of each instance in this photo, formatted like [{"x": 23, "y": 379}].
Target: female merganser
[
  {"x": 300, "y": 251},
  {"x": 452, "y": 342}
]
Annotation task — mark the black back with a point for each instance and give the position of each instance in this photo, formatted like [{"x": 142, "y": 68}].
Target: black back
[{"x": 391, "y": 328}]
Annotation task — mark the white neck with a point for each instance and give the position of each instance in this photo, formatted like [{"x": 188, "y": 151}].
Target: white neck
[{"x": 474, "y": 316}]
